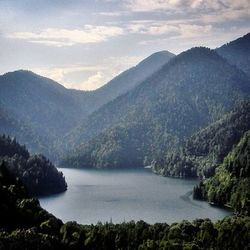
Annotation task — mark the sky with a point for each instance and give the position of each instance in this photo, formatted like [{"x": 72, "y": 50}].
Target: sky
[{"x": 83, "y": 44}]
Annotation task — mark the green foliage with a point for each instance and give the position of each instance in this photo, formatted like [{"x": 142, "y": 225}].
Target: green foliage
[
  {"x": 230, "y": 185},
  {"x": 38, "y": 111},
  {"x": 37, "y": 173},
  {"x": 200, "y": 154},
  {"x": 25, "y": 225},
  {"x": 190, "y": 92}
]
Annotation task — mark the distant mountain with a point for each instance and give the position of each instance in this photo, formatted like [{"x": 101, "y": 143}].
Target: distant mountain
[
  {"x": 36, "y": 172},
  {"x": 24, "y": 133},
  {"x": 40, "y": 102},
  {"x": 130, "y": 78},
  {"x": 205, "y": 150},
  {"x": 237, "y": 53},
  {"x": 230, "y": 185},
  {"x": 44, "y": 110},
  {"x": 191, "y": 91}
]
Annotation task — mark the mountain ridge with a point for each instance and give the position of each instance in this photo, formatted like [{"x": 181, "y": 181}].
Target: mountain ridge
[
  {"x": 176, "y": 96},
  {"x": 50, "y": 110},
  {"x": 237, "y": 53}
]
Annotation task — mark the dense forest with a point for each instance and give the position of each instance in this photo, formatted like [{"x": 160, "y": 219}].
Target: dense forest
[
  {"x": 39, "y": 111},
  {"x": 143, "y": 112},
  {"x": 37, "y": 173},
  {"x": 25, "y": 225},
  {"x": 230, "y": 186},
  {"x": 190, "y": 92},
  {"x": 200, "y": 154},
  {"x": 23, "y": 132},
  {"x": 185, "y": 115}
]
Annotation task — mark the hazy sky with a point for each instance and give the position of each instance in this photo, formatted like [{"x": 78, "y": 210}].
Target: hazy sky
[{"x": 84, "y": 43}]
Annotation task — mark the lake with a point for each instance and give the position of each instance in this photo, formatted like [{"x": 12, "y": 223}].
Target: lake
[{"x": 124, "y": 195}]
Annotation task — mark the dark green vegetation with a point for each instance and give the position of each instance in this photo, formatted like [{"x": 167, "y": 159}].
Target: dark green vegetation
[
  {"x": 25, "y": 225},
  {"x": 190, "y": 92},
  {"x": 39, "y": 104},
  {"x": 36, "y": 172},
  {"x": 230, "y": 185},
  {"x": 39, "y": 111},
  {"x": 134, "y": 119},
  {"x": 23, "y": 132},
  {"x": 205, "y": 150},
  {"x": 196, "y": 107}
]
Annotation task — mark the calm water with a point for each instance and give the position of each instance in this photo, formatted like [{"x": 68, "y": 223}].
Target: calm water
[{"x": 101, "y": 195}]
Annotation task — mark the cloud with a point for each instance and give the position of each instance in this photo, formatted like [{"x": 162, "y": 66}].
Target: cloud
[
  {"x": 152, "y": 29},
  {"x": 162, "y": 5},
  {"x": 185, "y": 6},
  {"x": 150, "y": 5},
  {"x": 114, "y": 13},
  {"x": 169, "y": 29},
  {"x": 88, "y": 77},
  {"x": 58, "y": 73},
  {"x": 226, "y": 15},
  {"x": 94, "y": 81},
  {"x": 196, "y": 36},
  {"x": 66, "y": 37}
]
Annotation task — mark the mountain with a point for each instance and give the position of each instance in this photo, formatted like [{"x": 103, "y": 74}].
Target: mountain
[
  {"x": 44, "y": 110},
  {"x": 130, "y": 78},
  {"x": 22, "y": 132},
  {"x": 191, "y": 91},
  {"x": 237, "y": 53},
  {"x": 230, "y": 185},
  {"x": 205, "y": 150},
  {"x": 36, "y": 172},
  {"x": 37, "y": 110},
  {"x": 39, "y": 101}
]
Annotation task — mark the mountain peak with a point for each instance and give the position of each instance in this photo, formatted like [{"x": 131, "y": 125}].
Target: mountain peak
[
  {"x": 196, "y": 54},
  {"x": 159, "y": 57},
  {"x": 198, "y": 51},
  {"x": 19, "y": 72},
  {"x": 26, "y": 77}
]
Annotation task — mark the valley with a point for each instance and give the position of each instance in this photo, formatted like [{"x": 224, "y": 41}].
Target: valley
[{"x": 81, "y": 155}]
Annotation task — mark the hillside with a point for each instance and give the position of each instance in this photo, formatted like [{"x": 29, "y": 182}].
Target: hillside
[
  {"x": 191, "y": 91},
  {"x": 205, "y": 150},
  {"x": 44, "y": 110},
  {"x": 129, "y": 79},
  {"x": 36, "y": 172},
  {"x": 24, "y": 133},
  {"x": 231, "y": 183},
  {"x": 237, "y": 53},
  {"x": 25, "y": 225},
  {"x": 44, "y": 104}
]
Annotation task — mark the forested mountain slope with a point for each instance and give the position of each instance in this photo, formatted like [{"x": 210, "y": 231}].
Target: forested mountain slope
[
  {"x": 191, "y": 91},
  {"x": 231, "y": 183},
  {"x": 44, "y": 110},
  {"x": 129, "y": 79},
  {"x": 36, "y": 172},
  {"x": 44, "y": 104},
  {"x": 237, "y": 53},
  {"x": 25, "y": 225},
  {"x": 23, "y": 132},
  {"x": 205, "y": 150}
]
